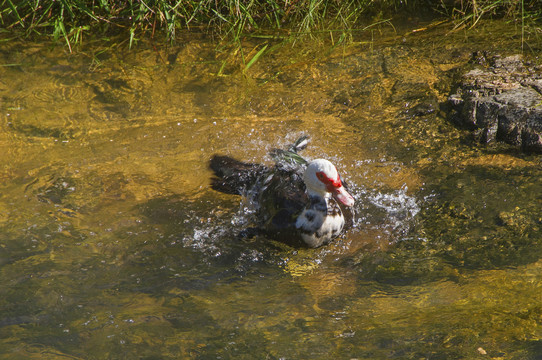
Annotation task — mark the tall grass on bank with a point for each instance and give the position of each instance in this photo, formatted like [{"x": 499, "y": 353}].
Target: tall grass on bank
[
  {"x": 472, "y": 11},
  {"x": 71, "y": 20}
]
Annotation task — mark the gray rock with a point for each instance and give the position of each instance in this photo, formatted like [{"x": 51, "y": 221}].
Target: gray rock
[{"x": 501, "y": 102}]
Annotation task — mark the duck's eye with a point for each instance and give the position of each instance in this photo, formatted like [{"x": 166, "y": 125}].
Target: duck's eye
[{"x": 329, "y": 182}]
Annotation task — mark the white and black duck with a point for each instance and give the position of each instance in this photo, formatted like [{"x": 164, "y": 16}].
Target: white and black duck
[{"x": 297, "y": 201}]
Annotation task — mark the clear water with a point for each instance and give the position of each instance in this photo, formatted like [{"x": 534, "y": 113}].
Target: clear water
[{"x": 113, "y": 245}]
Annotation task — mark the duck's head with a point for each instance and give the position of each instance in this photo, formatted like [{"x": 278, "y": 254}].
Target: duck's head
[{"x": 322, "y": 179}]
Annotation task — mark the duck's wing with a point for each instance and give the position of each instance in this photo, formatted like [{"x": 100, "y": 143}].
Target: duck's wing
[
  {"x": 233, "y": 176},
  {"x": 287, "y": 159}
]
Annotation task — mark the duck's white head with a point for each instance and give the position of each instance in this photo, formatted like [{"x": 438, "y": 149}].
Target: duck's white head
[{"x": 322, "y": 179}]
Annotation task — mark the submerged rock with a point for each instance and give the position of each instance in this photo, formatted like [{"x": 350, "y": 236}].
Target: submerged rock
[{"x": 501, "y": 101}]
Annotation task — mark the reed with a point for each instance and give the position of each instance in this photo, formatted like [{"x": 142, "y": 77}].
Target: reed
[{"x": 73, "y": 20}]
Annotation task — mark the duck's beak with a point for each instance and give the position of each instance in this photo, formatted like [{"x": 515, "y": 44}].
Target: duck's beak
[
  {"x": 336, "y": 188},
  {"x": 343, "y": 196}
]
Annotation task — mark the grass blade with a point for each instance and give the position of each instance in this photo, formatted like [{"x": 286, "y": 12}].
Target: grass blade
[
  {"x": 14, "y": 9},
  {"x": 255, "y": 57}
]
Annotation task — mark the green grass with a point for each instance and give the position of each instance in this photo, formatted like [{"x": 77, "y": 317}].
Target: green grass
[{"x": 74, "y": 20}]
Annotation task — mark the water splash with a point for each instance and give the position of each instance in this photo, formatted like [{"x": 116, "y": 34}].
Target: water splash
[
  {"x": 205, "y": 240},
  {"x": 400, "y": 208}
]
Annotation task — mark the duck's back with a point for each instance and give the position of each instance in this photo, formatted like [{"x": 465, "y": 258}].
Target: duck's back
[{"x": 282, "y": 199}]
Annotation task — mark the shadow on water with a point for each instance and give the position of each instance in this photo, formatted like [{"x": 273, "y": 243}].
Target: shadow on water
[{"x": 114, "y": 245}]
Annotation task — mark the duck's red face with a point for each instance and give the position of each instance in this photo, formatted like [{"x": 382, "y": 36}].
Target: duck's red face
[{"x": 336, "y": 188}]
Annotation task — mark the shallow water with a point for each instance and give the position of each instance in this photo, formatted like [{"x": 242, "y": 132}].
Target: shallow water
[{"x": 114, "y": 246}]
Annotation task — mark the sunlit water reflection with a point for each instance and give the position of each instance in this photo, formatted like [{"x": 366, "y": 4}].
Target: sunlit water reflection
[{"x": 114, "y": 246}]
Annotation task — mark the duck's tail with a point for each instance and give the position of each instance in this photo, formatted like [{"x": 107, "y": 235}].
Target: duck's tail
[
  {"x": 290, "y": 159},
  {"x": 233, "y": 176}
]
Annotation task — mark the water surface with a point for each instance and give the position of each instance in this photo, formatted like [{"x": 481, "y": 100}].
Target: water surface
[{"x": 114, "y": 246}]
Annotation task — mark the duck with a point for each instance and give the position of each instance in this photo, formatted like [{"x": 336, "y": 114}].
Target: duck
[{"x": 296, "y": 201}]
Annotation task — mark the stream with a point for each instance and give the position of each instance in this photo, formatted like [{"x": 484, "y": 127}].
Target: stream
[{"x": 113, "y": 244}]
